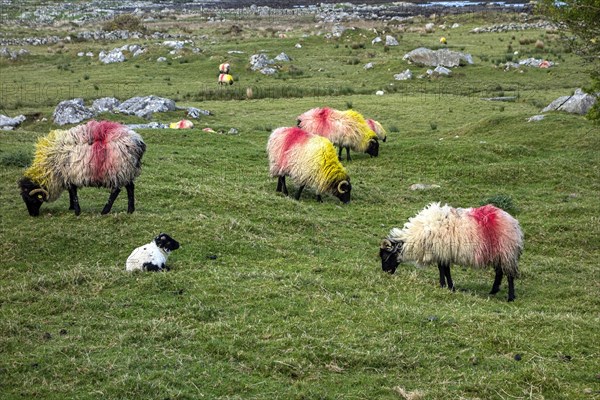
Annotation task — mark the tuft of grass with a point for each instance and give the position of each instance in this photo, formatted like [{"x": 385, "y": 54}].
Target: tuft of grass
[
  {"x": 18, "y": 158},
  {"x": 502, "y": 201}
]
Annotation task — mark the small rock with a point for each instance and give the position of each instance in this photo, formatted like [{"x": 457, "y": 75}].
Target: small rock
[
  {"x": 391, "y": 41},
  {"x": 536, "y": 118},
  {"x": 403, "y": 76},
  {"x": 161, "y": 59},
  {"x": 298, "y": 46},
  {"x": 71, "y": 112},
  {"x": 8, "y": 123},
  {"x": 113, "y": 56},
  {"x": 368, "y": 66},
  {"x": 442, "y": 70},
  {"x": 379, "y": 93},
  {"x": 376, "y": 40},
  {"x": 233, "y": 131},
  {"x": 423, "y": 186},
  {"x": 282, "y": 57}
]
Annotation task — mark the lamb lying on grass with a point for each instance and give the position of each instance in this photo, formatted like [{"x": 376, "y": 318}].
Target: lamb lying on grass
[{"x": 152, "y": 256}]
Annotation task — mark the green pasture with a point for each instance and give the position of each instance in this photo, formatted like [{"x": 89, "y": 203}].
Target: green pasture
[{"x": 271, "y": 298}]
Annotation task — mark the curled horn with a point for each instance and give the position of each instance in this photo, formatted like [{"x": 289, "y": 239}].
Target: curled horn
[
  {"x": 39, "y": 190},
  {"x": 339, "y": 187}
]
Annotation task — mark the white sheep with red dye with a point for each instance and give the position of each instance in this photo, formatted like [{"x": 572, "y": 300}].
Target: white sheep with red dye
[
  {"x": 97, "y": 154},
  {"x": 443, "y": 235},
  {"x": 345, "y": 129}
]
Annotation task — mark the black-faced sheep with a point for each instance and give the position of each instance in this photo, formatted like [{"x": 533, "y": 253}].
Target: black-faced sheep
[
  {"x": 99, "y": 154},
  {"x": 442, "y": 235},
  {"x": 152, "y": 256},
  {"x": 310, "y": 160},
  {"x": 345, "y": 129}
]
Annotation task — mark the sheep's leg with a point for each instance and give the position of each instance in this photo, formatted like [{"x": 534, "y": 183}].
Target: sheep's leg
[
  {"x": 299, "y": 192},
  {"x": 442, "y": 275},
  {"x": 340, "y": 154},
  {"x": 130, "y": 198},
  {"x": 448, "y": 277},
  {"x": 111, "y": 200},
  {"x": 348, "y": 154},
  {"x": 281, "y": 187},
  {"x": 511, "y": 288},
  {"x": 319, "y": 198},
  {"x": 74, "y": 200},
  {"x": 497, "y": 280}
]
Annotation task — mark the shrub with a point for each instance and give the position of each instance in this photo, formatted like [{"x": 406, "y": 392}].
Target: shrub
[{"x": 125, "y": 22}]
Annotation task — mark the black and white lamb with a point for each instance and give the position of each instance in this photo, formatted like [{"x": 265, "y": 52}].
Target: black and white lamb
[{"x": 152, "y": 256}]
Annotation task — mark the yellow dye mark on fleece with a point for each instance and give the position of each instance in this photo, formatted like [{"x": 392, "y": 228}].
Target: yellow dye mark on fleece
[
  {"x": 366, "y": 133},
  {"x": 330, "y": 170},
  {"x": 39, "y": 171}
]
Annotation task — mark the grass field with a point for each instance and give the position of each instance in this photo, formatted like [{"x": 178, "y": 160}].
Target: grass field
[{"x": 295, "y": 305}]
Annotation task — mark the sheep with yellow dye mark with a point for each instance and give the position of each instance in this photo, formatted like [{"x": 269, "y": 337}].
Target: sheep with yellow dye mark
[
  {"x": 345, "y": 129},
  {"x": 225, "y": 79},
  {"x": 308, "y": 159},
  {"x": 96, "y": 154},
  {"x": 378, "y": 129},
  {"x": 443, "y": 235}
]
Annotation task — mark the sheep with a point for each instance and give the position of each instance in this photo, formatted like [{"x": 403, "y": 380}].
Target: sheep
[
  {"x": 224, "y": 68},
  {"x": 97, "y": 154},
  {"x": 377, "y": 128},
  {"x": 310, "y": 160},
  {"x": 152, "y": 256},
  {"x": 345, "y": 129},
  {"x": 443, "y": 235},
  {"x": 225, "y": 79}
]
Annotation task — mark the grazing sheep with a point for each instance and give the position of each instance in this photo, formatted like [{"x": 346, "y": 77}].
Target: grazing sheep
[
  {"x": 345, "y": 129},
  {"x": 98, "y": 154},
  {"x": 152, "y": 256},
  {"x": 225, "y": 79},
  {"x": 309, "y": 160},
  {"x": 377, "y": 128},
  {"x": 224, "y": 68},
  {"x": 442, "y": 235}
]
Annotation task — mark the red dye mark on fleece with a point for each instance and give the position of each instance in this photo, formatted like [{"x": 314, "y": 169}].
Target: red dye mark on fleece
[
  {"x": 293, "y": 137},
  {"x": 322, "y": 119},
  {"x": 102, "y": 133},
  {"x": 371, "y": 124},
  {"x": 489, "y": 230}
]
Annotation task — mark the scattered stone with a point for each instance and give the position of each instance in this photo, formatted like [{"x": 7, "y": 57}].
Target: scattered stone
[
  {"x": 151, "y": 125},
  {"x": 391, "y": 41},
  {"x": 283, "y": 57},
  {"x": 5, "y": 52},
  {"x": 89, "y": 54},
  {"x": 298, "y": 46},
  {"x": 105, "y": 104},
  {"x": 338, "y": 30},
  {"x": 441, "y": 57},
  {"x": 376, "y": 40},
  {"x": 455, "y": 25},
  {"x": 113, "y": 56},
  {"x": 233, "y": 131},
  {"x": 268, "y": 71},
  {"x": 174, "y": 44},
  {"x": 578, "y": 103},
  {"x": 379, "y": 93},
  {"x": 260, "y": 61},
  {"x": 423, "y": 186},
  {"x": 403, "y": 76},
  {"x": 193, "y": 112},
  {"x": 7, "y": 123},
  {"x": 369, "y": 66},
  {"x": 430, "y": 27},
  {"x": 235, "y": 52},
  {"x": 442, "y": 70},
  {"x": 71, "y": 112},
  {"x": 515, "y": 27},
  {"x": 500, "y": 98},
  {"x": 144, "y": 107},
  {"x": 139, "y": 52},
  {"x": 536, "y": 62},
  {"x": 161, "y": 59}
]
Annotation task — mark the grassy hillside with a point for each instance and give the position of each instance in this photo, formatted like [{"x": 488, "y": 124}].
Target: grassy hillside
[{"x": 270, "y": 298}]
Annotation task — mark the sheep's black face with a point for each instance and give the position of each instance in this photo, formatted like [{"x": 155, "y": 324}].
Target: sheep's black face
[
  {"x": 166, "y": 242},
  {"x": 33, "y": 195},
  {"x": 388, "y": 252},
  {"x": 373, "y": 149},
  {"x": 343, "y": 191}
]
